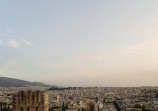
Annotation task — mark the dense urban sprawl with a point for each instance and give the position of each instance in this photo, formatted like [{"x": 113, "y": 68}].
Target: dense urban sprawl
[{"x": 96, "y": 98}]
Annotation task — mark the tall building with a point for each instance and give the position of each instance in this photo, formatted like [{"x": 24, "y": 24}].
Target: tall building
[{"x": 30, "y": 101}]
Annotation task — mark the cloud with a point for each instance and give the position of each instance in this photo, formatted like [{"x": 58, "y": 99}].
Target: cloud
[
  {"x": 144, "y": 44},
  {"x": 9, "y": 30},
  {"x": 26, "y": 42},
  {"x": 13, "y": 43},
  {"x": 1, "y": 42},
  {"x": 149, "y": 47}
]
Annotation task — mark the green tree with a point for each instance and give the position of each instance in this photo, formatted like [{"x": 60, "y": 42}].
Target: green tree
[{"x": 138, "y": 106}]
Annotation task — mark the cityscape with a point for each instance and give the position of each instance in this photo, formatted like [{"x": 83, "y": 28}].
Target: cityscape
[
  {"x": 78, "y": 55},
  {"x": 88, "y": 98}
]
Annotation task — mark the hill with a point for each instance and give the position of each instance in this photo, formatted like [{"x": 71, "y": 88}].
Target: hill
[{"x": 11, "y": 82}]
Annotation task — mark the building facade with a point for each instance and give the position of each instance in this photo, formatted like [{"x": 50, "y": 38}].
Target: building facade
[{"x": 30, "y": 101}]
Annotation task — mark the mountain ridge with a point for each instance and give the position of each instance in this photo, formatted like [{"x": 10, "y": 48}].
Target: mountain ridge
[{"x": 12, "y": 82}]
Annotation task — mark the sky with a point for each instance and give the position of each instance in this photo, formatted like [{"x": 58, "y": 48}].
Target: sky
[{"x": 80, "y": 42}]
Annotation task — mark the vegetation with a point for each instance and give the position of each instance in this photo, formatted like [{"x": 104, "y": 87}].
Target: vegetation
[
  {"x": 4, "y": 107},
  {"x": 143, "y": 107},
  {"x": 64, "y": 88},
  {"x": 138, "y": 106},
  {"x": 156, "y": 95},
  {"x": 58, "y": 88},
  {"x": 51, "y": 109}
]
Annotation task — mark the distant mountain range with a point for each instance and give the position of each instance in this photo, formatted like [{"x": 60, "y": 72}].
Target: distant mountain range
[{"x": 11, "y": 82}]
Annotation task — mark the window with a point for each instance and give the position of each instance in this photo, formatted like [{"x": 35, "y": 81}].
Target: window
[
  {"x": 21, "y": 109},
  {"x": 28, "y": 109},
  {"x": 37, "y": 109}
]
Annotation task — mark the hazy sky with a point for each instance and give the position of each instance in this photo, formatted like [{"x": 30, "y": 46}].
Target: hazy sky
[{"x": 80, "y": 42}]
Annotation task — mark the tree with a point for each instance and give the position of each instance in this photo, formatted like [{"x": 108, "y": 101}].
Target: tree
[
  {"x": 138, "y": 106},
  {"x": 156, "y": 95},
  {"x": 51, "y": 109}
]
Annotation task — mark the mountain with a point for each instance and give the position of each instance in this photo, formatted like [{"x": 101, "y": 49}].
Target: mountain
[
  {"x": 40, "y": 84},
  {"x": 11, "y": 82}
]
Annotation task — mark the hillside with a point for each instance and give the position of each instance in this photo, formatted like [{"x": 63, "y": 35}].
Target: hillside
[{"x": 11, "y": 82}]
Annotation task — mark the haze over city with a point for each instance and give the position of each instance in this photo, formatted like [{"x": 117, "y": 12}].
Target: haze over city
[{"x": 80, "y": 43}]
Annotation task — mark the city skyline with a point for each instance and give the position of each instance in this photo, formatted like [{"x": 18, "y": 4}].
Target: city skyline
[{"x": 80, "y": 43}]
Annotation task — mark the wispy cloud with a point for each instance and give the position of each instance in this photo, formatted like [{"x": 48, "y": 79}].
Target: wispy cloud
[
  {"x": 13, "y": 43},
  {"x": 1, "y": 42},
  {"x": 9, "y": 30},
  {"x": 144, "y": 47},
  {"x": 27, "y": 42}
]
